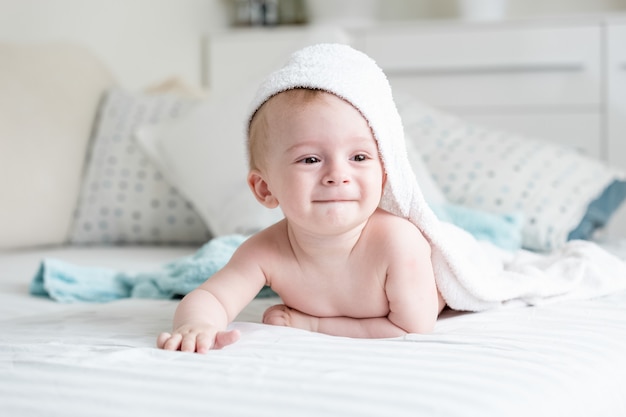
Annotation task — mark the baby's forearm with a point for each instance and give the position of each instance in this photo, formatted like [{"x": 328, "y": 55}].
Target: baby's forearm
[
  {"x": 200, "y": 307},
  {"x": 372, "y": 328}
]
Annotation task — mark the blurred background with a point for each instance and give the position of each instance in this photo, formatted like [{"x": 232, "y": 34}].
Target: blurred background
[
  {"x": 245, "y": 12},
  {"x": 545, "y": 68},
  {"x": 168, "y": 34}
]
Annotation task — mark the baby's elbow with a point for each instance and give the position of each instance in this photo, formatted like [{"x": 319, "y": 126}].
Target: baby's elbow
[
  {"x": 422, "y": 326},
  {"x": 422, "y": 329}
]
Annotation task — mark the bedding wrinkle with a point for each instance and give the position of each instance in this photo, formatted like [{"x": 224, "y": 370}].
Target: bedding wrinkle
[{"x": 552, "y": 359}]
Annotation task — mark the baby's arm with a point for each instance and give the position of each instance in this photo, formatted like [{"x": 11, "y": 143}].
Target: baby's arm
[
  {"x": 376, "y": 327},
  {"x": 414, "y": 300},
  {"x": 202, "y": 316}
]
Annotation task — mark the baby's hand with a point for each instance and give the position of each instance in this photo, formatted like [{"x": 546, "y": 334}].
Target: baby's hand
[
  {"x": 197, "y": 339},
  {"x": 281, "y": 315}
]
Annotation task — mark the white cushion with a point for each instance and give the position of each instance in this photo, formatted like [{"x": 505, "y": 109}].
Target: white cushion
[
  {"x": 431, "y": 191},
  {"x": 203, "y": 154},
  {"x": 124, "y": 197},
  {"x": 48, "y": 98}
]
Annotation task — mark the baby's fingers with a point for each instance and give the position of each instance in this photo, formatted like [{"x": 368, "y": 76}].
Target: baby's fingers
[
  {"x": 162, "y": 339},
  {"x": 189, "y": 341},
  {"x": 168, "y": 341},
  {"x": 197, "y": 342},
  {"x": 277, "y": 315}
]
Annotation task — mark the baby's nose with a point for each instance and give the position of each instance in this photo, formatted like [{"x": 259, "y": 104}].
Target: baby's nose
[{"x": 336, "y": 175}]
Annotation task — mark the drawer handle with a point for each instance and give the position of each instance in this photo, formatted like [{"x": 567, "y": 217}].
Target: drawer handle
[{"x": 487, "y": 69}]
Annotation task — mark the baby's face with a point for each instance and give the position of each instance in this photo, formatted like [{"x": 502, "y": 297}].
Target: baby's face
[{"x": 322, "y": 164}]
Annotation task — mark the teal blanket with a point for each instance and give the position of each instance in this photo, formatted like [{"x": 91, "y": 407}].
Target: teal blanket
[
  {"x": 503, "y": 230},
  {"x": 67, "y": 283}
]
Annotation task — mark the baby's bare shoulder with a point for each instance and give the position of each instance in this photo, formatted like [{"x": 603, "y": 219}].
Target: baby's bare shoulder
[
  {"x": 396, "y": 232},
  {"x": 385, "y": 222},
  {"x": 265, "y": 244},
  {"x": 259, "y": 255}
]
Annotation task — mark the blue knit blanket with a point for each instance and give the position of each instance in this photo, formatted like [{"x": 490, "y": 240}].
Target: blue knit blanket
[{"x": 67, "y": 283}]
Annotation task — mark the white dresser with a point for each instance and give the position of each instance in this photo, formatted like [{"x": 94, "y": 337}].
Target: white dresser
[
  {"x": 615, "y": 92},
  {"x": 559, "y": 79},
  {"x": 539, "y": 79}
]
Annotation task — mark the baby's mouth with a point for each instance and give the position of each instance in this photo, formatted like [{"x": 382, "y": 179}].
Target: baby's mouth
[{"x": 335, "y": 200}]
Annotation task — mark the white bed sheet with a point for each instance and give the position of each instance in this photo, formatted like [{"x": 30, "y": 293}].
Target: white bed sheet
[{"x": 99, "y": 359}]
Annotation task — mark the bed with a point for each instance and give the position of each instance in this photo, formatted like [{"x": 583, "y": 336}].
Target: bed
[
  {"x": 100, "y": 359},
  {"x": 128, "y": 196}
]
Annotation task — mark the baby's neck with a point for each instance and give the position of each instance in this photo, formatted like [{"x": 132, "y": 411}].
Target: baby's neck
[{"x": 316, "y": 247}]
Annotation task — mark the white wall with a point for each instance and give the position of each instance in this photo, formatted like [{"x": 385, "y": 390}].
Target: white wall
[
  {"x": 143, "y": 41},
  {"x": 146, "y": 41}
]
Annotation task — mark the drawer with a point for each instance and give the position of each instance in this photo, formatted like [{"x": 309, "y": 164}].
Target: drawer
[{"x": 492, "y": 65}]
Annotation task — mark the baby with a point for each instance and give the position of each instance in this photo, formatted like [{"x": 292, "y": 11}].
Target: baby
[{"x": 341, "y": 264}]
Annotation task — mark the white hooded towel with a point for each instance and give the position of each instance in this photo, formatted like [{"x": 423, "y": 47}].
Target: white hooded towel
[{"x": 471, "y": 275}]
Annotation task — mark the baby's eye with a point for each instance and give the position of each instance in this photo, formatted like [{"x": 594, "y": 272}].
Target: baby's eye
[
  {"x": 310, "y": 160},
  {"x": 359, "y": 158}
]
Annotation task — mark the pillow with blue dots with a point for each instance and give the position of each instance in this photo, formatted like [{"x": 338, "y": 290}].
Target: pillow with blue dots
[
  {"x": 125, "y": 198},
  {"x": 553, "y": 192}
]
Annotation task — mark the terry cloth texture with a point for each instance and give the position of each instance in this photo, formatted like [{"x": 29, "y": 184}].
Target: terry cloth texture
[{"x": 471, "y": 275}]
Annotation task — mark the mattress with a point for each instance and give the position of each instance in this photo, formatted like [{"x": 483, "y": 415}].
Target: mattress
[{"x": 57, "y": 359}]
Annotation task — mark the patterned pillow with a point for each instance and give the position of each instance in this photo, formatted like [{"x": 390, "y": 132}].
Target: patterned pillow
[
  {"x": 124, "y": 198},
  {"x": 552, "y": 186}
]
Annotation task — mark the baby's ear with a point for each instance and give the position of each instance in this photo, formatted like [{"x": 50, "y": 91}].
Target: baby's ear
[{"x": 260, "y": 189}]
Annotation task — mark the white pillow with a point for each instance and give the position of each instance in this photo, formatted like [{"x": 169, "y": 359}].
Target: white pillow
[
  {"x": 124, "y": 197},
  {"x": 430, "y": 190},
  {"x": 551, "y": 185},
  {"x": 48, "y": 99},
  {"x": 204, "y": 156}
]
